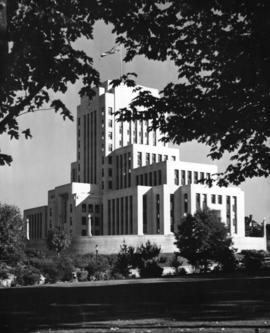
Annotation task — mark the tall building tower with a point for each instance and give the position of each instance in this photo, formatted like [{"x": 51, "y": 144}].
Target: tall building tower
[{"x": 126, "y": 184}]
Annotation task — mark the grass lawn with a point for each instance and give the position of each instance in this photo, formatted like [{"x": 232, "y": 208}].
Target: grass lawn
[{"x": 156, "y": 305}]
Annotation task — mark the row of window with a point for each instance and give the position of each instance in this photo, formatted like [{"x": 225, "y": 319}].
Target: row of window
[
  {"x": 152, "y": 158},
  {"x": 189, "y": 177},
  {"x": 149, "y": 179},
  {"x": 35, "y": 226},
  {"x": 123, "y": 171},
  {"x": 120, "y": 216},
  {"x": 91, "y": 208}
]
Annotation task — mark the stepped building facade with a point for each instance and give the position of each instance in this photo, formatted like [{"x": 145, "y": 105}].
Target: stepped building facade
[{"x": 127, "y": 185}]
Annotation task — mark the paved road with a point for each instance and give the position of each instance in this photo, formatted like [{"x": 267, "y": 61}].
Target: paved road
[{"x": 95, "y": 306}]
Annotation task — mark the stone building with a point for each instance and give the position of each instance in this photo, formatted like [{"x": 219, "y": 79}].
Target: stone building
[{"x": 126, "y": 184}]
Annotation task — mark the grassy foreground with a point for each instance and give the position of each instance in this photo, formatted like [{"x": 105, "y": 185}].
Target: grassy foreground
[{"x": 153, "y": 305}]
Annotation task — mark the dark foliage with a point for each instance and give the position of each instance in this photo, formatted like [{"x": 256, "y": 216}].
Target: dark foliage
[
  {"x": 125, "y": 260},
  {"x": 253, "y": 228},
  {"x": 253, "y": 260},
  {"x": 219, "y": 49},
  {"x": 12, "y": 239},
  {"x": 146, "y": 259},
  {"x": 202, "y": 238},
  {"x": 58, "y": 240},
  {"x": 99, "y": 267},
  {"x": 221, "y": 53},
  {"x": 27, "y": 275}
]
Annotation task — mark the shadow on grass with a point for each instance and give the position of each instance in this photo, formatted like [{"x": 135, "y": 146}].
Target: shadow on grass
[{"x": 28, "y": 309}]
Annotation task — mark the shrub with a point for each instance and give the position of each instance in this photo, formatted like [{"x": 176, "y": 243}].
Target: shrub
[
  {"x": 34, "y": 253},
  {"x": 150, "y": 268},
  {"x": 65, "y": 269},
  {"x": 124, "y": 260},
  {"x": 82, "y": 275},
  {"x": 4, "y": 271},
  {"x": 146, "y": 259},
  {"x": 27, "y": 275},
  {"x": 48, "y": 268},
  {"x": 252, "y": 260},
  {"x": 98, "y": 268}
]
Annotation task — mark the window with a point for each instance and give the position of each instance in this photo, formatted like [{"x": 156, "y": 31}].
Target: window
[
  {"x": 172, "y": 212},
  {"x": 96, "y": 221},
  {"x": 97, "y": 209},
  {"x": 150, "y": 179},
  {"x": 110, "y": 172},
  {"x": 213, "y": 198},
  {"x": 141, "y": 179},
  {"x": 185, "y": 203},
  {"x": 110, "y": 110},
  {"x": 70, "y": 208},
  {"x": 159, "y": 157},
  {"x": 83, "y": 220},
  {"x": 154, "y": 138},
  {"x": 176, "y": 177},
  {"x": 144, "y": 214},
  {"x": 83, "y": 232},
  {"x": 110, "y": 148},
  {"x": 165, "y": 157},
  {"x": 146, "y": 179},
  {"x": 154, "y": 158},
  {"x": 159, "y": 177},
  {"x": 208, "y": 175},
  {"x": 219, "y": 199},
  {"x": 201, "y": 175},
  {"x": 228, "y": 212},
  {"x": 173, "y": 158},
  {"x": 110, "y": 135},
  {"x": 79, "y": 121},
  {"x": 158, "y": 213},
  {"x": 110, "y": 159},
  {"x": 110, "y": 123},
  {"x": 90, "y": 208},
  {"x": 189, "y": 177},
  {"x": 137, "y": 180},
  {"x": 234, "y": 210},
  {"x": 183, "y": 177},
  {"x": 204, "y": 201},
  {"x": 139, "y": 158},
  {"x": 155, "y": 178},
  {"x": 198, "y": 201},
  {"x": 83, "y": 208},
  {"x": 110, "y": 184},
  {"x": 196, "y": 177},
  {"x": 147, "y": 158},
  {"x": 102, "y": 172}
]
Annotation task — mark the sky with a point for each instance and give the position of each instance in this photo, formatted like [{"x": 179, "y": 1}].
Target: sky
[{"x": 43, "y": 162}]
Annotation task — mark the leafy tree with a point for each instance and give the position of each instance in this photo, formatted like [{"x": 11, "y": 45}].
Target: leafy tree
[
  {"x": 125, "y": 260},
  {"x": 12, "y": 235},
  {"x": 202, "y": 238},
  {"x": 58, "y": 240},
  {"x": 219, "y": 48},
  {"x": 146, "y": 259}
]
